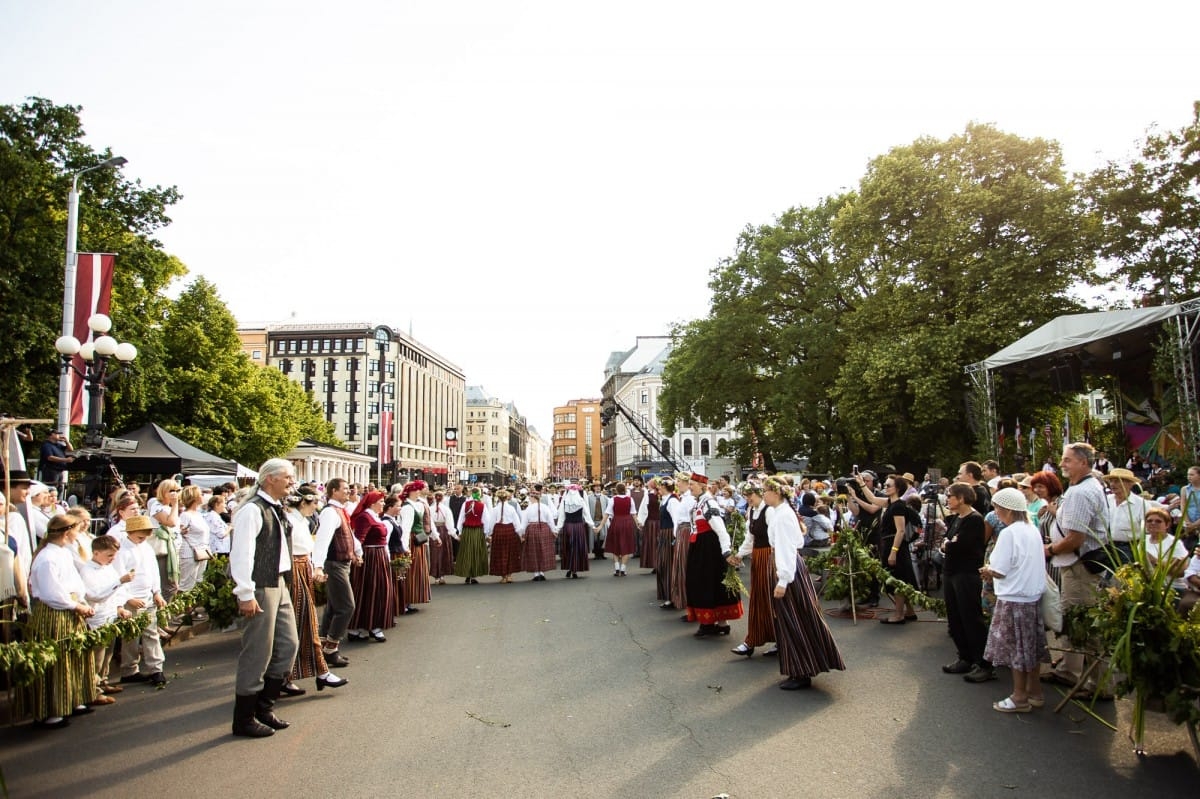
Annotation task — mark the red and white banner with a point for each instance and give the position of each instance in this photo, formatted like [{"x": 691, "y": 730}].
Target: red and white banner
[
  {"x": 93, "y": 295},
  {"x": 385, "y": 437}
]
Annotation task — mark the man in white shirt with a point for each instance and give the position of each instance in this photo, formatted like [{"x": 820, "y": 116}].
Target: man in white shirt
[
  {"x": 260, "y": 563},
  {"x": 145, "y": 595}
]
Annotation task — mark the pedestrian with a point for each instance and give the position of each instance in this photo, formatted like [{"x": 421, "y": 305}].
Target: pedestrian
[
  {"x": 806, "y": 646},
  {"x": 892, "y": 531},
  {"x": 310, "y": 660},
  {"x": 419, "y": 536},
  {"x": 1017, "y": 568},
  {"x": 336, "y": 549},
  {"x": 54, "y": 459},
  {"x": 505, "y": 529},
  {"x": 622, "y": 529},
  {"x": 710, "y": 602},
  {"x": 664, "y": 555},
  {"x": 471, "y": 561},
  {"x": 540, "y": 535},
  {"x": 760, "y": 618},
  {"x": 371, "y": 579},
  {"x": 141, "y": 657},
  {"x": 648, "y": 525},
  {"x": 442, "y": 555},
  {"x": 574, "y": 521},
  {"x": 681, "y": 523},
  {"x": 259, "y": 563},
  {"x": 964, "y": 549}
]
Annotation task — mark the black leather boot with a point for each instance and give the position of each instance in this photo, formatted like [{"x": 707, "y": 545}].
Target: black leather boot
[
  {"x": 266, "y": 701},
  {"x": 244, "y": 722}
]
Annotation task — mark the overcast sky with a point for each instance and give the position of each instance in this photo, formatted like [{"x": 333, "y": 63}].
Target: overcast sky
[{"x": 531, "y": 185}]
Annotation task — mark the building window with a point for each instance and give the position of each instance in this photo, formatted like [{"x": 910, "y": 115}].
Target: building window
[
  {"x": 687, "y": 448},
  {"x": 645, "y": 396},
  {"x": 720, "y": 446},
  {"x": 665, "y": 446},
  {"x": 352, "y": 406},
  {"x": 256, "y": 355},
  {"x": 704, "y": 446},
  {"x": 351, "y": 429}
]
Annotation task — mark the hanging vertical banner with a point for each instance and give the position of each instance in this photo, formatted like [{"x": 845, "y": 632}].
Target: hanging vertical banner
[
  {"x": 1001, "y": 441},
  {"x": 385, "y": 437},
  {"x": 93, "y": 295},
  {"x": 1066, "y": 430},
  {"x": 1017, "y": 437}
]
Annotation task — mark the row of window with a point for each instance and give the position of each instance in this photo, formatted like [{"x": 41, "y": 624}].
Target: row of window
[
  {"x": 564, "y": 418},
  {"x": 472, "y": 429},
  {"x": 317, "y": 345}
]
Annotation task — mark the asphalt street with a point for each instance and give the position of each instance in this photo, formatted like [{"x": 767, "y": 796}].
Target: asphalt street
[{"x": 585, "y": 688}]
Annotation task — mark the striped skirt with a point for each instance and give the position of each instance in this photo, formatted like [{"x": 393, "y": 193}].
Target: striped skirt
[
  {"x": 374, "y": 591},
  {"x": 664, "y": 558},
  {"x": 472, "y": 560},
  {"x": 71, "y": 681},
  {"x": 679, "y": 564},
  {"x": 539, "y": 548},
  {"x": 806, "y": 646},
  {"x": 310, "y": 661},
  {"x": 574, "y": 540},
  {"x": 646, "y": 557},
  {"x": 441, "y": 559},
  {"x": 416, "y": 582},
  {"x": 760, "y": 624},
  {"x": 506, "y": 551},
  {"x": 621, "y": 534}
]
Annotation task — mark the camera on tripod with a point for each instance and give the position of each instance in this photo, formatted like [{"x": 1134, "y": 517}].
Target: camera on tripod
[{"x": 930, "y": 493}]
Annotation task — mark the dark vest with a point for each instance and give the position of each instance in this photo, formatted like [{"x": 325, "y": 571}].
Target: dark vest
[
  {"x": 664, "y": 513},
  {"x": 267, "y": 547},
  {"x": 341, "y": 548},
  {"x": 758, "y": 528}
]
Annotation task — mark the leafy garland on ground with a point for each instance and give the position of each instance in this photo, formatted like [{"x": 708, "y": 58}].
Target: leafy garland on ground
[
  {"x": 737, "y": 534},
  {"x": 26, "y": 660},
  {"x": 848, "y": 557}
]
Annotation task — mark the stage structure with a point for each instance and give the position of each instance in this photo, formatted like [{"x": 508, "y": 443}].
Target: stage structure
[{"x": 1120, "y": 344}]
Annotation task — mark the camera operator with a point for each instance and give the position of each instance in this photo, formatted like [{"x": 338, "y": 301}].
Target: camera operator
[{"x": 867, "y": 507}]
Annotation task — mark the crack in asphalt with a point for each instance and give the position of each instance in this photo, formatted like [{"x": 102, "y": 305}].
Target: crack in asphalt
[{"x": 672, "y": 705}]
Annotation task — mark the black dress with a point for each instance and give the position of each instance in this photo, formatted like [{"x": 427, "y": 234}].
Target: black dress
[{"x": 903, "y": 570}]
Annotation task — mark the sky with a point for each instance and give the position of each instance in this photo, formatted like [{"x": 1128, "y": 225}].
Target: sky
[{"x": 529, "y": 185}]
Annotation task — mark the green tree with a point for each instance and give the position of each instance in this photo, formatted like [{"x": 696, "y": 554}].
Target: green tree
[
  {"x": 215, "y": 398},
  {"x": 41, "y": 146},
  {"x": 1149, "y": 214},
  {"x": 964, "y": 245}
]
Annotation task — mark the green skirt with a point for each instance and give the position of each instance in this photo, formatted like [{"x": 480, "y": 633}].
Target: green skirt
[
  {"x": 70, "y": 681},
  {"x": 472, "y": 554}
]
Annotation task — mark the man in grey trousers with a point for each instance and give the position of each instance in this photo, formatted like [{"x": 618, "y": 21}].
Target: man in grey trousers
[
  {"x": 260, "y": 562},
  {"x": 337, "y": 549}
]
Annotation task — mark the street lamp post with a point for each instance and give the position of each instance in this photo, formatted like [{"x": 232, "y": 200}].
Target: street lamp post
[
  {"x": 97, "y": 356},
  {"x": 68, "y": 320},
  {"x": 383, "y": 338}
]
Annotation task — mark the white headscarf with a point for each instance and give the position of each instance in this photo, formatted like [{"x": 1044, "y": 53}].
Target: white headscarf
[{"x": 572, "y": 502}]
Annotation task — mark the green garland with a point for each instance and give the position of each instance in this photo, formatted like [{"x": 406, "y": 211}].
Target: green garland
[
  {"x": 737, "y": 534},
  {"x": 849, "y": 558}
]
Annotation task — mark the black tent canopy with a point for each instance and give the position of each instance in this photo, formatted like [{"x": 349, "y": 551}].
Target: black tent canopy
[{"x": 159, "y": 452}]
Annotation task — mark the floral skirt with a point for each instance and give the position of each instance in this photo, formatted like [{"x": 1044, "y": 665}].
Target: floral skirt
[{"x": 1017, "y": 638}]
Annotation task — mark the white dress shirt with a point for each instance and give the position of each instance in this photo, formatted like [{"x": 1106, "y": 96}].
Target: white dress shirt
[
  {"x": 502, "y": 513},
  {"x": 141, "y": 559},
  {"x": 104, "y": 591},
  {"x": 783, "y": 531},
  {"x": 54, "y": 580},
  {"x": 537, "y": 512},
  {"x": 246, "y": 527}
]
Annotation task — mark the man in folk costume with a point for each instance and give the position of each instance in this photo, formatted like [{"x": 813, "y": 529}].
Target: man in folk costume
[
  {"x": 597, "y": 506},
  {"x": 336, "y": 548},
  {"x": 260, "y": 562},
  {"x": 709, "y": 601}
]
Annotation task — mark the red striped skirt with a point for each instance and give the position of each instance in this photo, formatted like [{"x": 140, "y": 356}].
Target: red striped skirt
[
  {"x": 310, "y": 660},
  {"x": 539, "y": 548},
  {"x": 646, "y": 558},
  {"x": 806, "y": 646},
  {"x": 683, "y": 534},
  {"x": 664, "y": 559},
  {"x": 416, "y": 582},
  {"x": 374, "y": 591},
  {"x": 441, "y": 559},
  {"x": 622, "y": 531},
  {"x": 506, "y": 551},
  {"x": 760, "y": 625}
]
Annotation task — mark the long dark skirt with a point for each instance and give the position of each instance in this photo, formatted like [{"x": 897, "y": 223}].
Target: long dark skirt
[
  {"x": 70, "y": 681},
  {"x": 441, "y": 559},
  {"x": 664, "y": 559},
  {"x": 649, "y": 545},
  {"x": 574, "y": 539},
  {"x": 416, "y": 582},
  {"x": 310, "y": 660},
  {"x": 472, "y": 559},
  {"x": 709, "y": 601},
  {"x": 679, "y": 566},
  {"x": 506, "y": 551},
  {"x": 760, "y": 623},
  {"x": 620, "y": 540},
  {"x": 539, "y": 548},
  {"x": 374, "y": 591},
  {"x": 806, "y": 646}
]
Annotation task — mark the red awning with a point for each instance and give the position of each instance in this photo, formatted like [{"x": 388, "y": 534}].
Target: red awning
[{"x": 439, "y": 470}]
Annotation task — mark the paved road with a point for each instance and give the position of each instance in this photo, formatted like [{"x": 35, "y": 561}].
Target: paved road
[{"x": 585, "y": 688}]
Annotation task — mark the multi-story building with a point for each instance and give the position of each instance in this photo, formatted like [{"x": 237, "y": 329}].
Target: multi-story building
[
  {"x": 634, "y": 378},
  {"x": 495, "y": 438},
  {"x": 576, "y": 444},
  {"x": 538, "y": 456},
  {"x": 359, "y": 373}
]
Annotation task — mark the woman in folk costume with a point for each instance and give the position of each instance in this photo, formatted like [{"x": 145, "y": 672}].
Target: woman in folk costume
[
  {"x": 620, "y": 542},
  {"x": 310, "y": 660},
  {"x": 472, "y": 559},
  {"x": 760, "y": 622},
  {"x": 419, "y": 535},
  {"x": 441, "y": 557},
  {"x": 574, "y": 521},
  {"x": 374, "y": 589},
  {"x": 504, "y": 526},
  {"x": 540, "y": 533},
  {"x": 647, "y": 519},
  {"x": 681, "y": 523},
  {"x": 67, "y": 686},
  {"x": 664, "y": 554},
  {"x": 806, "y": 647},
  {"x": 709, "y": 601}
]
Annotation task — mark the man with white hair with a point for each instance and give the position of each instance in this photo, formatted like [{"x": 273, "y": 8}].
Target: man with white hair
[{"x": 260, "y": 562}]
